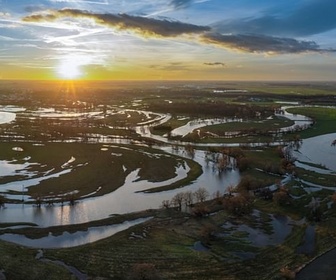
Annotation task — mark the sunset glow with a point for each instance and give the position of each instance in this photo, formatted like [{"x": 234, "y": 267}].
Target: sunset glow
[
  {"x": 168, "y": 40},
  {"x": 69, "y": 70}
]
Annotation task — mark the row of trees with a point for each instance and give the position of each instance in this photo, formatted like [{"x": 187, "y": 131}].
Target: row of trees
[
  {"x": 238, "y": 204},
  {"x": 186, "y": 199},
  {"x": 211, "y": 108},
  {"x": 39, "y": 200}
]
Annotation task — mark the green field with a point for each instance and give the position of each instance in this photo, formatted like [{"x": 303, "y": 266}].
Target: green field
[{"x": 325, "y": 120}]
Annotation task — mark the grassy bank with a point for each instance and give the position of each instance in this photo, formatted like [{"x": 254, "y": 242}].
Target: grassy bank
[
  {"x": 95, "y": 167},
  {"x": 325, "y": 120}
]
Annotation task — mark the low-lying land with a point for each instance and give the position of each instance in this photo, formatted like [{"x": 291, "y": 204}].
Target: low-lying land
[{"x": 86, "y": 144}]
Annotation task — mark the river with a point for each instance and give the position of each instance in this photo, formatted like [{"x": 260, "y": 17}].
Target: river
[{"x": 126, "y": 199}]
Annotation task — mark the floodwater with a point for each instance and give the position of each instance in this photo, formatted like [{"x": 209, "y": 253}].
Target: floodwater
[
  {"x": 67, "y": 239},
  {"x": 282, "y": 227},
  {"x": 195, "y": 124},
  {"x": 125, "y": 199},
  {"x": 323, "y": 267},
  {"x": 6, "y": 117},
  {"x": 319, "y": 150}
]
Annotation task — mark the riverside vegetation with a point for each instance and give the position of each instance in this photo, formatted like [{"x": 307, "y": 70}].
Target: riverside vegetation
[{"x": 256, "y": 229}]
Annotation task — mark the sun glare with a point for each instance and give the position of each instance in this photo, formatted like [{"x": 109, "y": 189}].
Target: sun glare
[{"x": 69, "y": 70}]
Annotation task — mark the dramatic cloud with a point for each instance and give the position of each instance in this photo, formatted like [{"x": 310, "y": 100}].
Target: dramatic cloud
[
  {"x": 149, "y": 27},
  {"x": 261, "y": 44},
  {"x": 221, "y": 64},
  {"x": 180, "y": 4},
  {"x": 315, "y": 17},
  {"x": 140, "y": 25}
]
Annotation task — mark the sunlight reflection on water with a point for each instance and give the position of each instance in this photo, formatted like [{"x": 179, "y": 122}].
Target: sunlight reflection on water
[
  {"x": 72, "y": 239},
  {"x": 125, "y": 199}
]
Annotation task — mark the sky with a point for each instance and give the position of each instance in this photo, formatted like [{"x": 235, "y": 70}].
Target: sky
[{"x": 168, "y": 40}]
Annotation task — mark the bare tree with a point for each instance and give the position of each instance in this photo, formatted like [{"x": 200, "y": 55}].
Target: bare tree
[
  {"x": 190, "y": 150},
  {"x": 200, "y": 210},
  {"x": 71, "y": 198},
  {"x": 230, "y": 189},
  {"x": 218, "y": 196},
  {"x": 177, "y": 200},
  {"x": 333, "y": 143},
  {"x": 2, "y": 201},
  {"x": 288, "y": 154},
  {"x": 201, "y": 194},
  {"x": 188, "y": 198},
  {"x": 38, "y": 200},
  {"x": 165, "y": 204}
]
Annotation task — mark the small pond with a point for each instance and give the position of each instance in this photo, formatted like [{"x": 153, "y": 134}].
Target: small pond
[{"x": 281, "y": 225}]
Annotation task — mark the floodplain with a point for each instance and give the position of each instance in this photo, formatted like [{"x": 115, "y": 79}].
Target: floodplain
[{"x": 168, "y": 180}]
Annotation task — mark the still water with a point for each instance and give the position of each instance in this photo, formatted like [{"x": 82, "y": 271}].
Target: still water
[
  {"x": 126, "y": 199},
  {"x": 72, "y": 239},
  {"x": 319, "y": 150}
]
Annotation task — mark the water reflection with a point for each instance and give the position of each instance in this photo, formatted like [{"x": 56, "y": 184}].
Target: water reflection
[
  {"x": 72, "y": 239},
  {"x": 318, "y": 150},
  {"x": 281, "y": 225},
  {"x": 125, "y": 199}
]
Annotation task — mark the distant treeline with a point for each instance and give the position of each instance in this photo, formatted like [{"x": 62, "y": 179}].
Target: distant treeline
[{"x": 218, "y": 109}]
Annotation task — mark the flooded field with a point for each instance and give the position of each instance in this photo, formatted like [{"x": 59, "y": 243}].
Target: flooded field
[{"x": 241, "y": 172}]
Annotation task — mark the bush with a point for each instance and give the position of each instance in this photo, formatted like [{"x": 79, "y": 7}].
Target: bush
[{"x": 144, "y": 271}]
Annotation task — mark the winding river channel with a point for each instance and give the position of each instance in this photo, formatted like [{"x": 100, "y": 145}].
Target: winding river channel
[{"x": 96, "y": 208}]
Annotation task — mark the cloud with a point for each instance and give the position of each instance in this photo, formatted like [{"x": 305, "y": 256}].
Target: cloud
[
  {"x": 140, "y": 25},
  {"x": 4, "y": 14},
  {"x": 99, "y": 2},
  {"x": 150, "y": 27},
  {"x": 180, "y": 4},
  {"x": 316, "y": 16},
  {"x": 221, "y": 64},
  {"x": 173, "y": 66},
  {"x": 261, "y": 44}
]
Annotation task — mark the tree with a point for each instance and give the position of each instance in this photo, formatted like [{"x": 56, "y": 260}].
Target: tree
[
  {"x": 230, "y": 189},
  {"x": 207, "y": 233},
  {"x": 201, "y": 194},
  {"x": 2, "y": 201},
  {"x": 333, "y": 143},
  {"x": 238, "y": 205},
  {"x": 218, "y": 196},
  {"x": 281, "y": 197},
  {"x": 200, "y": 210},
  {"x": 222, "y": 161},
  {"x": 177, "y": 200},
  {"x": 71, "y": 198},
  {"x": 242, "y": 163},
  {"x": 333, "y": 197},
  {"x": 288, "y": 154},
  {"x": 38, "y": 200},
  {"x": 188, "y": 198},
  {"x": 190, "y": 150},
  {"x": 287, "y": 273},
  {"x": 165, "y": 204}
]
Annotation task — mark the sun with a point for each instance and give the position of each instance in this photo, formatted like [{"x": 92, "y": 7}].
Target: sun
[{"x": 69, "y": 70}]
